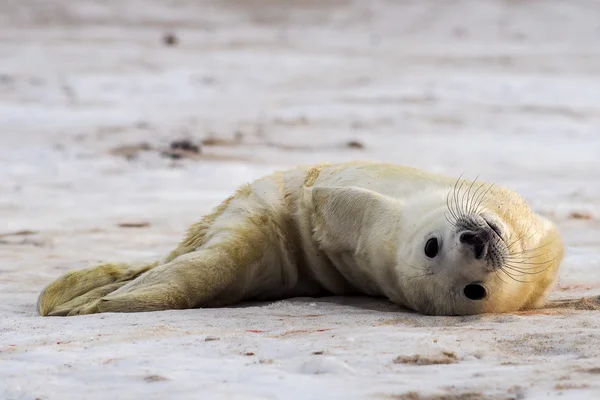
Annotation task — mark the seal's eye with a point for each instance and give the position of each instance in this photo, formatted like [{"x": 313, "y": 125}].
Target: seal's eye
[
  {"x": 475, "y": 291},
  {"x": 432, "y": 247}
]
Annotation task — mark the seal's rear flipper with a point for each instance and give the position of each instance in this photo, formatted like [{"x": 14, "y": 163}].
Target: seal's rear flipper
[
  {"x": 84, "y": 285},
  {"x": 95, "y": 294}
]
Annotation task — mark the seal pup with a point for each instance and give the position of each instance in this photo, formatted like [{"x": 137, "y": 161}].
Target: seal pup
[{"x": 432, "y": 243}]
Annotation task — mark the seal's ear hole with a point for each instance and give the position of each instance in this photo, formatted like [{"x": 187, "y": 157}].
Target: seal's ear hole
[
  {"x": 432, "y": 247},
  {"x": 475, "y": 291}
]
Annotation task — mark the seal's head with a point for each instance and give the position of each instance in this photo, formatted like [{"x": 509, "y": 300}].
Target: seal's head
[
  {"x": 439, "y": 250},
  {"x": 475, "y": 254}
]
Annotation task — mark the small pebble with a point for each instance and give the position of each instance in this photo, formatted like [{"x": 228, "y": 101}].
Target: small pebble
[{"x": 170, "y": 39}]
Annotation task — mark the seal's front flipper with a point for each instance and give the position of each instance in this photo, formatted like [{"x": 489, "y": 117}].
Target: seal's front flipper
[{"x": 354, "y": 219}]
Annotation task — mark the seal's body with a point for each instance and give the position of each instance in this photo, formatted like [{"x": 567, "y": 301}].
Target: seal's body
[{"x": 435, "y": 244}]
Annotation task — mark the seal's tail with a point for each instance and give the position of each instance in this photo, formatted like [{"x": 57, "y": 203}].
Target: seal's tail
[{"x": 84, "y": 285}]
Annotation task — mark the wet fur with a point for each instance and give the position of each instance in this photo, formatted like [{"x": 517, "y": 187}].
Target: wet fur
[{"x": 342, "y": 229}]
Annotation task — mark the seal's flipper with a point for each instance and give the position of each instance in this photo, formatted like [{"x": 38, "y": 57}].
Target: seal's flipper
[
  {"x": 218, "y": 273},
  {"x": 87, "y": 298},
  {"x": 86, "y": 284},
  {"x": 353, "y": 219}
]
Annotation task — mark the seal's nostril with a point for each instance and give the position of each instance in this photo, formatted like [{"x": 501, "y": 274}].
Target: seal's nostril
[
  {"x": 478, "y": 241},
  {"x": 467, "y": 237},
  {"x": 474, "y": 291},
  {"x": 480, "y": 250}
]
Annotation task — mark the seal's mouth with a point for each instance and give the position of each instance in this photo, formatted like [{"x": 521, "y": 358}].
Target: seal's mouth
[
  {"x": 494, "y": 228},
  {"x": 475, "y": 291}
]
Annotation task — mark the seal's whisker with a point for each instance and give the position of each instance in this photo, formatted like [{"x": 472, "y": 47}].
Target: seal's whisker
[
  {"x": 477, "y": 201},
  {"x": 527, "y": 273},
  {"x": 525, "y": 267},
  {"x": 516, "y": 273},
  {"x": 482, "y": 198},
  {"x": 455, "y": 208},
  {"x": 457, "y": 197},
  {"x": 463, "y": 208},
  {"x": 528, "y": 267},
  {"x": 526, "y": 256},
  {"x": 469, "y": 199},
  {"x": 522, "y": 236},
  {"x": 498, "y": 275},
  {"x": 464, "y": 201},
  {"x": 412, "y": 266},
  {"x": 420, "y": 276},
  {"x": 525, "y": 262},
  {"x": 457, "y": 202},
  {"x": 521, "y": 273},
  {"x": 453, "y": 223},
  {"x": 475, "y": 198},
  {"x": 469, "y": 202},
  {"x": 533, "y": 263},
  {"x": 535, "y": 248},
  {"x": 517, "y": 256},
  {"x": 513, "y": 243},
  {"x": 512, "y": 277},
  {"x": 449, "y": 206},
  {"x": 512, "y": 268}
]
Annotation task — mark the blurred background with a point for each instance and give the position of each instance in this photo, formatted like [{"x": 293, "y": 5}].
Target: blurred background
[{"x": 155, "y": 110}]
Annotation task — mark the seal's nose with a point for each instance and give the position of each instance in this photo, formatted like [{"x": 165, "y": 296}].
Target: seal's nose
[{"x": 478, "y": 240}]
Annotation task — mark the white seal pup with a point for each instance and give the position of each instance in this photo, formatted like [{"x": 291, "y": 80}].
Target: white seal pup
[{"x": 434, "y": 244}]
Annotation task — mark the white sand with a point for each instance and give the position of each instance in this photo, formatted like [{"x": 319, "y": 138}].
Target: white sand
[{"x": 509, "y": 90}]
